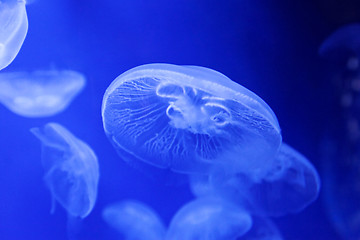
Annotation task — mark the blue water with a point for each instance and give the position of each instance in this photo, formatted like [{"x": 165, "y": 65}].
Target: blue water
[{"x": 270, "y": 48}]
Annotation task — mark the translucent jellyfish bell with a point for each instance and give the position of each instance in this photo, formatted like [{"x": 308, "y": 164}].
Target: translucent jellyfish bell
[
  {"x": 289, "y": 186},
  {"x": 71, "y": 169},
  {"x": 39, "y": 93},
  {"x": 188, "y": 119},
  {"x": 343, "y": 43},
  {"x": 209, "y": 219},
  {"x": 13, "y": 29},
  {"x": 135, "y": 221}
]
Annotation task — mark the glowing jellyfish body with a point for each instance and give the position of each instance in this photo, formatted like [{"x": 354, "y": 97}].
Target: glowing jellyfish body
[
  {"x": 188, "y": 119},
  {"x": 135, "y": 221},
  {"x": 71, "y": 169},
  {"x": 13, "y": 29},
  {"x": 290, "y": 185},
  {"x": 209, "y": 219},
  {"x": 40, "y": 93}
]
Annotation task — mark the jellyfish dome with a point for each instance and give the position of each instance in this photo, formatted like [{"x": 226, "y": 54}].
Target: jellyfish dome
[
  {"x": 13, "y": 30},
  {"x": 41, "y": 93},
  {"x": 209, "y": 218},
  {"x": 134, "y": 220},
  {"x": 343, "y": 43},
  {"x": 189, "y": 119}
]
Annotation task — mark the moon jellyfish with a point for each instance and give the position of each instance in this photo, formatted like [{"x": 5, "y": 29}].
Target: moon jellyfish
[
  {"x": 189, "y": 119},
  {"x": 209, "y": 219},
  {"x": 290, "y": 185},
  {"x": 341, "y": 144},
  {"x": 262, "y": 229},
  {"x": 342, "y": 43},
  {"x": 39, "y": 93},
  {"x": 135, "y": 221},
  {"x": 13, "y": 29},
  {"x": 71, "y": 169}
]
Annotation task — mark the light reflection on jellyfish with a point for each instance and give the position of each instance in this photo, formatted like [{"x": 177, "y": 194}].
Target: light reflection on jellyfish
[
  {"x": 134, "y": 221},
  {"x": 13, "y": 29},
  {"x": 71, "y": 169},
  {"x": 340, "y": 148},
  {"x": 289, "y": 186},
  {"x": 209, "y": 218},
  {"x": 189, "y": 119},
  {"x": 40, "y": 93}
]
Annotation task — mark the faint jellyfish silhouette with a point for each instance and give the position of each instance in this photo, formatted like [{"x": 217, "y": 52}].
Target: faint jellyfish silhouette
[
  {"x": 343, "y": 45},
  {"x": 209, "y": 218},
  {"x": 262, "y": 229},
  {"x": 189, "y": 119},
  {"x": 134, "y": 220},
  {"x": 13, "y": 29},
  {"x": 291, "y": 184},
  {"x": 340, "y": 146},
  {"x": 71, "y": 169},
  {"x": 40, "y": 93}
]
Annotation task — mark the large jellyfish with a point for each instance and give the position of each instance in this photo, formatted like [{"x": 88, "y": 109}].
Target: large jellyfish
[
  {"x": 209, "y": 218},
  {"x": 39, "y": 93},
  {"x": 13, "y": 29},
  {"x": 289, "y": 186},
  {"x": 134, "y": 220},
  {"x": 71, "y": 169},
  {"x": 189, "y": 119}
]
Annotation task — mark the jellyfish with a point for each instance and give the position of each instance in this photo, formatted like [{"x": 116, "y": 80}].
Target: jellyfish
[
  {"x": 340, "y": 144},
  {"x": 39, "y": 93},
  {"x": 13, "y": 30},
  {"x": 134, "y": 220},
  {"x": 262, "y": 229},
  {"x": 209, "y": 218},
  {"x": 343, "y": 45},
  {"x": 291, "y": 184},
  {"x": 189, "y": 119},
  {"x": 71, "y": 169}
]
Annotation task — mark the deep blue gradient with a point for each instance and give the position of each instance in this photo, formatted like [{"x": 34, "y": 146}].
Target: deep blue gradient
[{"x": 270, "y": 48}]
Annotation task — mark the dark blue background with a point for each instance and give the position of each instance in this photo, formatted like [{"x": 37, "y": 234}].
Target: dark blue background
[{"x": 269, "y": 47}]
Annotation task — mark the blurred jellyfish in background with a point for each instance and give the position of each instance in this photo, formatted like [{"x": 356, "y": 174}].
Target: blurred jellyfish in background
[
  {"x": 290, "y": 186},
  {"x": 134, "y": 221},
  {"x": 343, "y": 44},
  {"x": 341, "y": 146},
  {"x": 209, "y": 218},
  {"x": 40, "y": 93},
  {"x": 13, "y": 29},
  {"x": 71, "y": 169},
  {"x": 189, "y": 119}
]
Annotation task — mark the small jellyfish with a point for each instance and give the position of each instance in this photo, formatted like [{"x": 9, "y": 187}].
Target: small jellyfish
[
  {"x": 134, "y": 220},
  {"x": 209, "y": 218},
  {"x": 291, "y": 184},
  {"x": 71, "y": 169},
  {"x": 262, "y": 229},
  {"x": 39, "y": 93},
  {"x": 13, "y": 29},
  {"x": 189, "y": 119}
]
